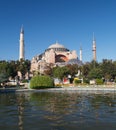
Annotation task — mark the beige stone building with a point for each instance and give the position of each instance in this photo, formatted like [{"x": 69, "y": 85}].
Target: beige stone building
[{"x": 55, "y": 54}]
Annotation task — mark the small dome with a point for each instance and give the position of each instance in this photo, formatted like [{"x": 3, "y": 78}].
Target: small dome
[{"x": 56, "y": 45}]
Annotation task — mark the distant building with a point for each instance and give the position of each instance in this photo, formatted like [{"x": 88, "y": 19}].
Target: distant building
[{"x": 55, "y": 54}]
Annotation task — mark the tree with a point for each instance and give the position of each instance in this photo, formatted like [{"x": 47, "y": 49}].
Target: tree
[
  {"x": 95, "y": 73},
  {"x": 73, "y": 69},
  {"x": 23, "y": 66},
  {"x": 85, "y": 70},
  {"x": 3, "y": 78},
  {"x": 108, "y": 69},
  {"x": 48, "y": 70},
  {"x": 93, "y": 64},
  {"x": 60, "y": 72},
  {"x": 12, "y": 72}
]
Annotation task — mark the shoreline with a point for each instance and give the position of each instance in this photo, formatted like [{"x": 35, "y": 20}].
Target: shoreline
[{"x": 93, "y": 88}]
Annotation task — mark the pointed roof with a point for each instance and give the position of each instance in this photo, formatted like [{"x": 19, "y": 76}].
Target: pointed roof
[
  {"x": 93, "y": 37},
  {"x": 80, "y": 46},
  {"x": 22, "y": 29}
]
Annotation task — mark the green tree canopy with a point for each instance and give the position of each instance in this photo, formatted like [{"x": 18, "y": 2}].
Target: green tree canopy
[
  {"x": 60, "y": 72},
  {"x": 73, "y": 69},
  {"x": 23, "y": 66},
  {"x": 3, "y": 77},
  {"x": 95, "y": 73}
]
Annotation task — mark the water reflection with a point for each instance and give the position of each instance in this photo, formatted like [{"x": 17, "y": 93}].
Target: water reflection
[
  {"x": 57, "y": 111},
  {"x": 20, "y": 103}
]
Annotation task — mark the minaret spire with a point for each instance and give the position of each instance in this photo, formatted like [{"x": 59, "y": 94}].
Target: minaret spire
[
  {"x": 93, "y": 37},
  {"x": 94, "y": 48},
  {"x": 22, "y": 29},
  {"x": 21, "y": 41},
  {"x": 80, "y": 53}
]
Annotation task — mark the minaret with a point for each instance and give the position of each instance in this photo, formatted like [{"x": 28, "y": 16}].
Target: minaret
[
  {"x": 21, "y": 51},
  {"x": 80, "y": 53},
  {"x": 94, "y": 48}
]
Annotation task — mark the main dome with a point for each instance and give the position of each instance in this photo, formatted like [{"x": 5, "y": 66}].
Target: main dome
[{"x": 57, "y": 47}]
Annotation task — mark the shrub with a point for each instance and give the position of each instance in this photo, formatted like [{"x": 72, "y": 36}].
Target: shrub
[
  {"x": 86, "y": 81},
  {"x": 77, "y": 81},
  {"x": 99, "y": 81},
  {"x": 25, "y": 81},
  {"x": 39, "y": 82}
]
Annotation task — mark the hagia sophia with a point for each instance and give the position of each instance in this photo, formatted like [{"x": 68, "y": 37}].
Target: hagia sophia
[{"x": 55, "y": 55}]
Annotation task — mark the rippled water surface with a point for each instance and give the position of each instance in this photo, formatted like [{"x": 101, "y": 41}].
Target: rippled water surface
[{"x": 57, "y": 111}]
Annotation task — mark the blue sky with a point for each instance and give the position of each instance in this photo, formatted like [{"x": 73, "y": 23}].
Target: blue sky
[{"x": 70, "y": 22}]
